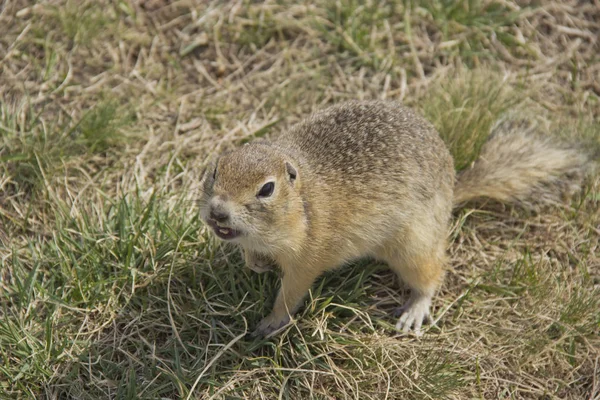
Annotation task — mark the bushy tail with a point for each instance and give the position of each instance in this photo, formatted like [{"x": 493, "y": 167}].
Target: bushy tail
[{"x": 518, "y": 165}]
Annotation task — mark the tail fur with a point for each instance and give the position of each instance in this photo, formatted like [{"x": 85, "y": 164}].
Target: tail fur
[{"x": 519, "y": 165}]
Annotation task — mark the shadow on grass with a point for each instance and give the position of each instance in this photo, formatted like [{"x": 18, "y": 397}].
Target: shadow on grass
[{"x": 192, "y": 333}]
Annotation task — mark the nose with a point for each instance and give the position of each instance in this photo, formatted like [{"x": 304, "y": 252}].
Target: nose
[{"x": 219, "y": 215}]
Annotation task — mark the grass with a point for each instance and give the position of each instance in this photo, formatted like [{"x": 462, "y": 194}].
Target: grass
[
  {"x": 468, "y": 27},
  {"x": 110, "y": 287},
  {"x": 358, "y": 29},
  {"x": 34, "y": 150},
  {"x": 465, "y": 108}
]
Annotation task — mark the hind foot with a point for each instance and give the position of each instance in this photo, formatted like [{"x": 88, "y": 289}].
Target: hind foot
[{"x": 414, "y": 313}]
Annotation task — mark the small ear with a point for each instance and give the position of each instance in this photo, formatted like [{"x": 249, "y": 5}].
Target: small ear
[
  {"x": 291, "y": 171},
  {"x": 208, "y": 172}
]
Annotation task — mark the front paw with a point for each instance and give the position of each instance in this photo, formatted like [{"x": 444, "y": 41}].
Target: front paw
[
  {"x": 270, "y": 324},
  {"x": 259, "y": 264},
  {"x": 260, "y": 268}
]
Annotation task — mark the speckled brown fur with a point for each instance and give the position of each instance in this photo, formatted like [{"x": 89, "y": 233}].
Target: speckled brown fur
[{"x": 360, "y": 179}]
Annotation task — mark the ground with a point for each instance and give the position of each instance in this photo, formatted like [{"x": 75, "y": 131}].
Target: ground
[{"x": 110, "y": 286}]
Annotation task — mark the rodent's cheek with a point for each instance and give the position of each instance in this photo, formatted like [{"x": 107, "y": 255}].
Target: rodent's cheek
[
  {"x": 252, "y": 208},
  {"x": 247, "y": 224},
  {"x": 237, "y": 220}
]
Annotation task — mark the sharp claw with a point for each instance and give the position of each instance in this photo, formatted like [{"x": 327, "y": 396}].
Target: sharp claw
[
  {"x": 418, "y": 324},
  {"x": 428, "y": 319},
  {"x": 267, "y": 327},
  {"x": 256, "y": 333}
]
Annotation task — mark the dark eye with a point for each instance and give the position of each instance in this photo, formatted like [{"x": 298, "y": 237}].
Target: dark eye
[{"x": 266, "y": 190}]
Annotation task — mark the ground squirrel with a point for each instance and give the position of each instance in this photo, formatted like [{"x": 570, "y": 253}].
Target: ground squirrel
[{"x": 363, "y": 179}]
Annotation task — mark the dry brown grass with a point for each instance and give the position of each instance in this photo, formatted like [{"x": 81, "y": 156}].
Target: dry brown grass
[{"x": 109, "y": 285}]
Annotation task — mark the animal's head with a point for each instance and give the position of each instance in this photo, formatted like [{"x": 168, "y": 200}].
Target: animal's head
[{"x": 251, "y": 197}]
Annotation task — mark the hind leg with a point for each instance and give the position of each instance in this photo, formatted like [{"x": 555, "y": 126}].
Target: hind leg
[
  {"x": 424, "y": 276},
  {"x": 418, "y": 256}
]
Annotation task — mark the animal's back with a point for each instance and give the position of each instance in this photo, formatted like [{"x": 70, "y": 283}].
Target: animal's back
[{"x": 367, "y": 145}]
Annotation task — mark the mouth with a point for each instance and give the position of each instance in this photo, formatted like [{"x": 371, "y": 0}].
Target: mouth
[{"x": 223, "y": 232}]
